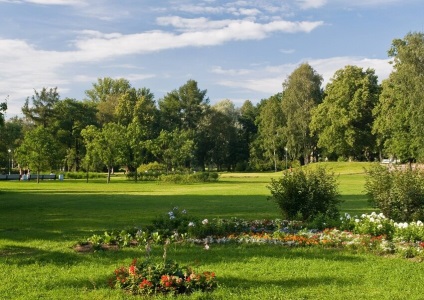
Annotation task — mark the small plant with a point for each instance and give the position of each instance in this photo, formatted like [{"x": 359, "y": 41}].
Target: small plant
[{"x": 167, "y": 277}]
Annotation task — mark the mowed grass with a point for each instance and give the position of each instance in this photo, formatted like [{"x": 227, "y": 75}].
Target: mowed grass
[{"x": 39, "y": 223}]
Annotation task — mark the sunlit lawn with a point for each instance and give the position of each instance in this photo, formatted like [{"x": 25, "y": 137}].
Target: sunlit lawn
[{"x": 39, "y": 223}]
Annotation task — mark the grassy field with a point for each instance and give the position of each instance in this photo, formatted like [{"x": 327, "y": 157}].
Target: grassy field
[{"x": 39, "y": 224}]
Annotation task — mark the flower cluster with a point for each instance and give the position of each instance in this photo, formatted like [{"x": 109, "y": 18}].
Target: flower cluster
[{"x": 163, "y": 278}]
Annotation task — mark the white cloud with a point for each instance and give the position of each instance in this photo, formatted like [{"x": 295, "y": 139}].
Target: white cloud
[
  {"x": 96, "y": 45},
  {"x": 268, "y": 80},
  {"x": 307, "y": 4},
  {"x": 56, "y": 2}
]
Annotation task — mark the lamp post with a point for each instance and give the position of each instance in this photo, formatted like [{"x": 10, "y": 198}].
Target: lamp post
[
  {"x": 9, "y": 159},
  {"x": 285, "y": 148}
]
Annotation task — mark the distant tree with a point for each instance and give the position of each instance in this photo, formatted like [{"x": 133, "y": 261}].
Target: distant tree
[
  {"x": 302, "y": 93},
  {"x": 398, "y": 115},
  {"x": 107, "y": 144},
  {"x": 42, "y": 110},
  {"x": 344, "y": 120},
  {"x": 173, "y": 149},
  {"x": 3, "y": 109},
  {"x": 270, "y": 122},
  {"x": 247, "y": 130},
  {"x": 39, "y": 151},
  {"x": 217, "y": 136},
  {"x": 71, "y": 117}
]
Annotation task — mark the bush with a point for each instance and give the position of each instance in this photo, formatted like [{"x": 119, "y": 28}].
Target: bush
[
  {"x": 399, "y": 194},
  {"x": 190, "y": 178},
  {"x": 306, "y": 195}
]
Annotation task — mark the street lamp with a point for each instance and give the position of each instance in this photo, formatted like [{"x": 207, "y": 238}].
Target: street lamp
[
  {"x": 9, "y": 159},
  {"x": 285, "y": 148}
]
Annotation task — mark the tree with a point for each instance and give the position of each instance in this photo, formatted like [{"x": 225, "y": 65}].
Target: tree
[
  {"x": 3, "y": 109},
  {"x": 217, "y": 136},
  {"x": 270, "y": 122},
  {"x": 344, "y": 120},
  {"x": 174, "y": 149},
  {"x": 247, "y": 131},
  {"x": 398, "y": 115},
  {"x": 183, "y": 108},
  {"x": 108, "y": 144},
  {"x": 105, "y": 96},
  {"x": 39, "y": 150},
  {"x": 42, "y": 110},
  {"x": 302, "y": 93},
  {"x": 71, "y": 117}
]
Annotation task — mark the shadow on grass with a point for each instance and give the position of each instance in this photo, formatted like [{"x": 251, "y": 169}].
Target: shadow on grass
[
  {"x": 292, "y": 283},
  {"x": 22, "y": 256}
]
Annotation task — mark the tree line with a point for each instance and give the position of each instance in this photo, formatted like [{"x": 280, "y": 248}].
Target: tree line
[{"x": 117, "y": 125}]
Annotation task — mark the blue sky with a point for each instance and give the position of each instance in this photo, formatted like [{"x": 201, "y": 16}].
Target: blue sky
[{"x": 237, "y": 50}]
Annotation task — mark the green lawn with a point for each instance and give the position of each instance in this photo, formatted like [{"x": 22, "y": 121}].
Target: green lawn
[{"x": 39, "y": 223}]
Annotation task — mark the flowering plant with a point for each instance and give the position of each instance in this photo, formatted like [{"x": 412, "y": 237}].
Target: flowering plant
[{"x": 168, "y": 277}]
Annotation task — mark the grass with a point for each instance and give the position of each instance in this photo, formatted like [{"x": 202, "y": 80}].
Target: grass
[{"x": 39, "y": 223}]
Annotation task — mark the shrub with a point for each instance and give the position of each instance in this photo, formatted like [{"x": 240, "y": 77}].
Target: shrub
[
  {"x": 306, "y": 194},
  {"x": 399, "y": 194}
]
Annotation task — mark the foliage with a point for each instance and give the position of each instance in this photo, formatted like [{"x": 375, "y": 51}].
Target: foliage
[
  {"x": 302, "y": 93},
  {"x": 42, "y": 111},
  {"x": 270, "y": 122},
  {"x": 83, "y": 175},
  {"x": 343, "y": 121},
  {"x": 398, "y": 123},
  {"x": 306, "y": 194},
  {"x": 189, "y": 178},
  {"x": 398, "y": 193},
  {"x": 39, "y": 150}
]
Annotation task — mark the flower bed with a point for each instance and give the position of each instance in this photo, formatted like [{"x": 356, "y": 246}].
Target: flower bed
[{"x": 372, "y": 232}]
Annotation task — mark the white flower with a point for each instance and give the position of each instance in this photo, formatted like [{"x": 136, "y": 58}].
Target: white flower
[
  {"x": 206, "y": 247},
  {"x": 419, "y": 223},
  {"x": 379, "y": 226},
  {"x": 357, "y": 220},
  {"x": 184, "y": 211},
  {"x": 172, "y": 217},
  {"x": 372, "y": 219},
  {"x": 191, "y": 224},
  {"x": 347, "y": 216},
  {"x": 205, "y": 221}
]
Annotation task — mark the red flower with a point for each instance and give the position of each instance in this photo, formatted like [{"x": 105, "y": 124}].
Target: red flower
[
  {"x": 145, "y": 284},
  {"x": 132, "y": 270}
]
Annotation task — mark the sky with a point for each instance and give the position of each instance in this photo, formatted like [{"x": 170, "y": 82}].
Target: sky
[{"x": 236, "y": 50}]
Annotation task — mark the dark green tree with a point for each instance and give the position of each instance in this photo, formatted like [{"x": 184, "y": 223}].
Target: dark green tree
[
  {"x": 270, "y": 122},
  {"x": 183, "y": 108},
  {"x": 42, "y": 110},
  {"x": 344, "y": 120}
]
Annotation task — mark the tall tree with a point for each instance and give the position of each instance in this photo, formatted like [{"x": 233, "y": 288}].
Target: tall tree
[
  {"x": 42, "y": 110},
  {"x": 302, "y": 93},
  {"x": 344, "y": 120},
  {"x": 398, "y": 115},
  {"x": 183, "y": 108},
  {"x": 270, "y": 123}
]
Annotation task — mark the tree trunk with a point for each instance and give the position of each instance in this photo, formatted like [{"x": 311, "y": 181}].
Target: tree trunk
[{"x": 108, "y": 174}]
